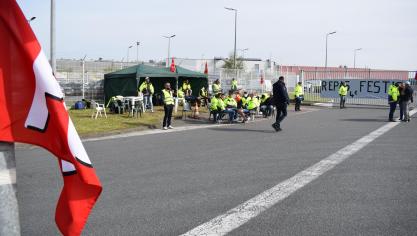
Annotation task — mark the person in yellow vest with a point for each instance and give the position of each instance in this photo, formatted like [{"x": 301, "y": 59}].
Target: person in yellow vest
[
  {"x": 298, "y": 96},
  {"x": 343, "y": 89},
  {"x": 148, "y": 90},
  {"x": 214, "y": 107},
  {"x": 231, "y": 104},
  {"x": 234, "y": 85},
  {"x": 223, "y": 108},
  {"x": 252, "y": 102},
  {"x": 168, "y": 100},
  {"x": 203, "y": 94},
  {"x": 216, "y": 87},
  {"x": 186, "y": 88},
  {"x": 265, "y": 106},
  {"x": 393, "y": 95}
]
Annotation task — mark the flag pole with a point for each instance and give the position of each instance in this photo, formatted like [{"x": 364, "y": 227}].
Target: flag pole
[{"x": 9, "y": 211}]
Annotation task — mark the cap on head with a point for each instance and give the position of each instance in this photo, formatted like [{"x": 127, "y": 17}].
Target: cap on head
[
  {"x": 147, "y": 78},
  {"x": 407, "y": 82},
  {"x": 281, "y": 78}
]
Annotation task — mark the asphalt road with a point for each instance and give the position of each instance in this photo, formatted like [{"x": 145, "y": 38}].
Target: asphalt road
[{"x": 167, "y": 184}]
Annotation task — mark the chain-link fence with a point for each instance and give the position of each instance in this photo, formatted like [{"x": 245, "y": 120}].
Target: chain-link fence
[
  {"x": 72, "y": 73},
  {"x": 252, "y": 80}
]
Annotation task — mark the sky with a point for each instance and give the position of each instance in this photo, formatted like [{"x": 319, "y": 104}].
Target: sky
[{"x": 289, "y": 32}]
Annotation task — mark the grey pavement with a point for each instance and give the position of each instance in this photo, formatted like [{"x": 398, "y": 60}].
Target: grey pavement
[{"x": 169, "y": 183}]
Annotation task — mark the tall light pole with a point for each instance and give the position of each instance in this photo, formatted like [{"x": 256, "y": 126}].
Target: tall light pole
[
  {"x": 83, "y": 76},
  {"x": 234, "y": 51},
  {"x": 354, "y": 56},
  {"x": 137, "y": 52},
  {"x": 127, "y": 56},
  {"x": 169, "y": 46},
  {"x": 53, "y": 60},
  {"x": 327, "y": 36}
]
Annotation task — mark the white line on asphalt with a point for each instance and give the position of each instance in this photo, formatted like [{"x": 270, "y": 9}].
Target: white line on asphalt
[
  {"x": 7, "y": 177},
  {"x": 241, "y": 214},
  {"x": 178, "y": 129}
]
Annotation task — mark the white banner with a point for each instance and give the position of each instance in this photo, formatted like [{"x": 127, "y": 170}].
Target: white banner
[{"x": 357, "y": 88}]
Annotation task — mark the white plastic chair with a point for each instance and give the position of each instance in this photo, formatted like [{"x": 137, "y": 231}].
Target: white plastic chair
[{"x": 98, "y": 109}]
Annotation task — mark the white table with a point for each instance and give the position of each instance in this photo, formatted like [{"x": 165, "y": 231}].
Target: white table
[{"x": 132, "y": 100}]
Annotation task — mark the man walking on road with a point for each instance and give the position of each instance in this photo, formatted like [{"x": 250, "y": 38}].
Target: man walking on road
[
  {"x": 168, "y": 106},
  {"x": 281, "y": 100}
]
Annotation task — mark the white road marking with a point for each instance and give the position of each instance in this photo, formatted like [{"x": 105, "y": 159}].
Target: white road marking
[
  {"x": 7, "y": 177},
  {"x": 234, "y": 218}
]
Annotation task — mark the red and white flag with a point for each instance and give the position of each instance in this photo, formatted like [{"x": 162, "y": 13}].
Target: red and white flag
[
  {"x": 32, "y": 111},
  {"x": 172, "y": 68}
]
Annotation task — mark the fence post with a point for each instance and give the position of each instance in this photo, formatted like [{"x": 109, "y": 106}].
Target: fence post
[{"x": 9, "y": 211}]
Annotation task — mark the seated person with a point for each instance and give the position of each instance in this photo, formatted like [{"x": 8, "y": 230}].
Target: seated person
[
  {"x": 186, "y": 88},
  {"x": 265, "y": 106},
  {"x": 223, "y": 110},
  {"x": 231, "y": 103},
  {"x": 252, "y": 103},
  {"x": 203, "y": 95},
  {"x": 239, "y": 107},
  {"x": 213, "y": 107},
  {"x": 218, "y": 108}
]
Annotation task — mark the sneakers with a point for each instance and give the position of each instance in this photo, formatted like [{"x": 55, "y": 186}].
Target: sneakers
[
  {"x": 170, "y": 127},
  {"x": 165, "y": 128},
  {"x": 276, "y": 127}
]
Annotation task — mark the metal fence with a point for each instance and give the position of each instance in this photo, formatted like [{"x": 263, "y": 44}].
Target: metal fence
[
  {"x": 251, "y": 80},
  {"x": 71, "y": 73},
  {"x": 312, "y": 81}
]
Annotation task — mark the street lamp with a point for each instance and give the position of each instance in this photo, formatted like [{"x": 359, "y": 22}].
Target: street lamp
[
  {"x": 327, "y": 36},
  {"x": 83, "y": 75},
  {"x": 137, "y": 52},
  {"x": 31, "y": 19},
  {"x": 127, "y": 56},
  {"x": 169, "y": 46},
  {"x": 354, "y": 56},
  {"x": 234, "y": 51}
]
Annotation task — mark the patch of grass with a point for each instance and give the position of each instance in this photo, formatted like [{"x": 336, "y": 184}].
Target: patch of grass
[
  {"x": 117, "y": 123},
  {"x": 86, "y": 126}
]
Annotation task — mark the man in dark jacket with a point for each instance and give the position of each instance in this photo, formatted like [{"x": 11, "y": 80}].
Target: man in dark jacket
[
  {"x": 405, "y": 99},
  {"x": 281, "y": 100}
]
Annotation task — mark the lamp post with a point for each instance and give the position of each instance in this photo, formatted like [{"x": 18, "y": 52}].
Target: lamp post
[
  {"x": 169, "y": 46},
  {"x": 327, "y": 36},
  {"x": 137, "y": 52},
  {"x": 354, "y": 56},
  {"x": 83, "y": 76},
  {"x": 31, "y": 19},
  {"x": 127, "y": 56},
  {"x": 234, "y": 51}
]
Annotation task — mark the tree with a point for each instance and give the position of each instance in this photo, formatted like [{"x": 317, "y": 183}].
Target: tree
[{"x": 229, "y": 64}]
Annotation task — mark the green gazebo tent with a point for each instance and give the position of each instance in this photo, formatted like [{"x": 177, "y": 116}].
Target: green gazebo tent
[{"x": 125, "y": 82}]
